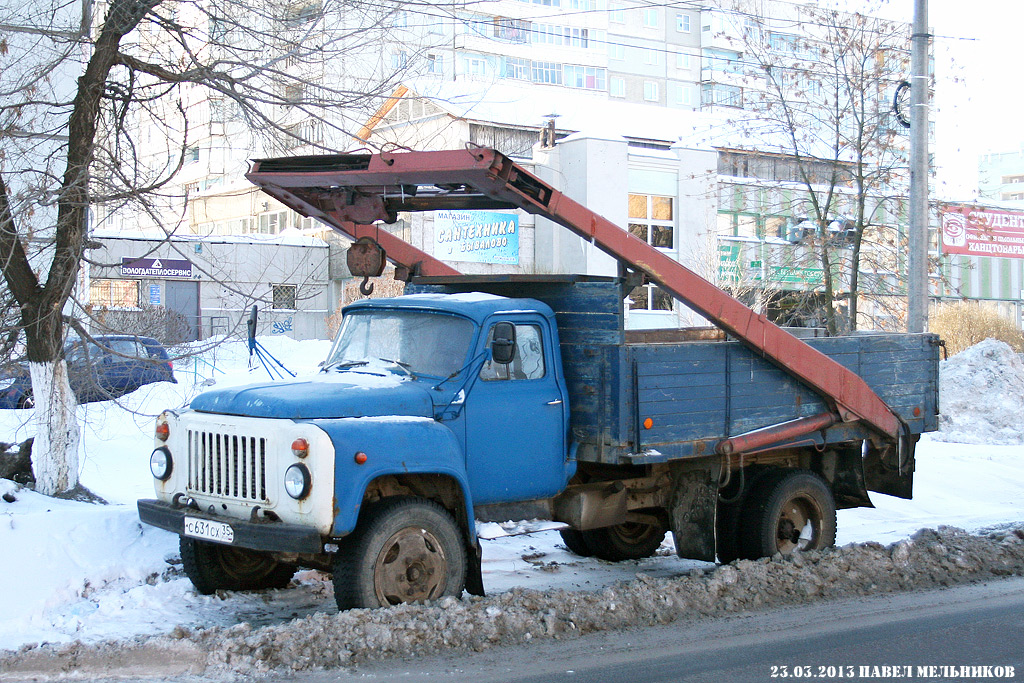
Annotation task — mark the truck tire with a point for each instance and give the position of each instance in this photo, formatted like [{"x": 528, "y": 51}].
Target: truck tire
[
  {"x": 575, "y": 542},
  {"x": 786, "y": 511},
  {"x": 211, "y": 567},
  {"x": 626, "y": 541},
  {"x": 404, "y": 550}
]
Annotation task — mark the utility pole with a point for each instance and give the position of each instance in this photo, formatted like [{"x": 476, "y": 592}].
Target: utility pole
[{"x": 917, "y": 263}]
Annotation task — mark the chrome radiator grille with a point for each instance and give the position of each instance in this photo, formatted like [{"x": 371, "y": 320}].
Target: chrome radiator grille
[{"x": 227, "y": 465}]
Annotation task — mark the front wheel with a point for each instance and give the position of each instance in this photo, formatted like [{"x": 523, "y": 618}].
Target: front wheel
[
  {"x": 211, "y": 567},
  {"x": 785, "y": 512},
  {"x": 406, "y": 550}
]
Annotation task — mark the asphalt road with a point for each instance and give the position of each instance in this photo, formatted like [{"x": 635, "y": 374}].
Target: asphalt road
[{"x": 850, "y": 640}]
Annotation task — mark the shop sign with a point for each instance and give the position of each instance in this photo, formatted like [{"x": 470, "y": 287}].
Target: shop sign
[
  {"x": 155, "y": 267},
  {"x": 975, "y": 231},
  {"x": 477, "y": 236}
]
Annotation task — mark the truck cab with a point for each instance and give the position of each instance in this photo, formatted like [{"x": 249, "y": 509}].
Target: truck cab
[{"x": 411, "y": 404}]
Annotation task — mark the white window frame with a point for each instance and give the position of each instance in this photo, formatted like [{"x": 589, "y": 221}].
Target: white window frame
[
  {"x": 651, "y": 93},
  {"x": 617, "y": 87},
  {"x": 650, "y": 17},
  {"x": 682, "y": 23}
]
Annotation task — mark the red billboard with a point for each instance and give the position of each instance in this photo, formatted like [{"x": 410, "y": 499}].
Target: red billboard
[{"x": 977, "y": 231}]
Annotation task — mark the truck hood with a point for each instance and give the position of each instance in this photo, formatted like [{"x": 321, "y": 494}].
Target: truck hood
[{"x": 322, "y": 396}]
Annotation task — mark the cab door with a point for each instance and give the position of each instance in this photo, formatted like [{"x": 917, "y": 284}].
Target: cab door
[{"x": 516, "y": 421}]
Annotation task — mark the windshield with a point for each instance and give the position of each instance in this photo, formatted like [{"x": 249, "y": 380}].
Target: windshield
[{"x": 433, "y": 344}]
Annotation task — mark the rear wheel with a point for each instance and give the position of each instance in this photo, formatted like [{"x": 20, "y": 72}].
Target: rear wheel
[
  {"x": 575, "y": 542},
  {"x": 406, "y": 550},
  {"x": 785, "y": 512},
  {"x": 211, "y": 567},
  {"x": 626, "y": 541}
]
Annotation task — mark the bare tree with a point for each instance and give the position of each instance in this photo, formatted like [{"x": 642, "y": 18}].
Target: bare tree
[
  {"x": 102, "y": 104},
  {"x": 819, "y": 85}
]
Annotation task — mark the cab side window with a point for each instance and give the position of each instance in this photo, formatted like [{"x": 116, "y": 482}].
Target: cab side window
[{"x": 529, "y": 357}]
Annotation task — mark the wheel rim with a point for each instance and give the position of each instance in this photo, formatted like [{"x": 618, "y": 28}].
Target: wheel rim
[
  {"x": 410, "y": 567},
  {"x": 799, "y": 525},
  {"x": 635, "y": 533}
]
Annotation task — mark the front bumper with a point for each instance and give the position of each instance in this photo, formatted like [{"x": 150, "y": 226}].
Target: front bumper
[{"x": 263, "y": 535}]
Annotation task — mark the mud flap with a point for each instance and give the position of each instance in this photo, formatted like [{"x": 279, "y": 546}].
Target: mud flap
[
  {"x": 474, "y": 572},
  {"x": 693, "y": 505},
  {"x": 890, "y": 469}
]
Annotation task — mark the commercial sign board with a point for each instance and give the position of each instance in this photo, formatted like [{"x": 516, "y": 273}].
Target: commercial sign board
[
  {"x": 477, "y": 236},
  {"x": 976, "y": 231},
  {"x": 156, "y": 267}
]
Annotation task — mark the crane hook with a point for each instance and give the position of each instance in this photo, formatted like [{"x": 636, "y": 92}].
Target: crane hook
[{"x": 366, "y": 287}]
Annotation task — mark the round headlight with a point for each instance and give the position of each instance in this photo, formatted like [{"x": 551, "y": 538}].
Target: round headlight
[
  {"x": 297, "y": 481},
  {"x": 160, "y": 463}
]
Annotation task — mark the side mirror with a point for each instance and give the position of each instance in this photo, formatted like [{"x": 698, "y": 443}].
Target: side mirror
[{"x": 503, "y": 345}]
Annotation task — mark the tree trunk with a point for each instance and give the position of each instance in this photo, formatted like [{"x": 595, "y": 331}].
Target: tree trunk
[{"x": 55, "y": 450}]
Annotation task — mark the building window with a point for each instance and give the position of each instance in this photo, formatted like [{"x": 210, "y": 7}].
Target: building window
[
  {"x": 435, "y": 64},
  {"x": 617, "y": 87},
  {"x": 652, "y": 219},
  {"x": 684, "y": 60},
  {"x": 616, "y": 51},
  {"x": 283, "y": 297},
  {"x": 650, "y": 298},
  {"x": 650, "y": 17},
  {"x": 650, "y": 91},
  {"x": 477, "y": 66},
  {"x": 517, "y": 68},
  {"x": 722, "y": 95},
  {"x": 399, "y": 59},
  {"x": 652, "y": 56},
  {"x": 547, "y": 72},
  {"x": 616, "y": 14},
  {"x": 683, "y": 23},
  {"x": 512, "y": 30},
  {"x": 114, "y": 293},
  {"x": 191, "y": 154},
  {"x": 586, "y": 77}
]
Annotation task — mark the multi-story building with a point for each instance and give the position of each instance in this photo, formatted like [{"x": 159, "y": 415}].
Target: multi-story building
[
  {"x": 503, "y": 73},
  {"x": 1001, "y": 177}
]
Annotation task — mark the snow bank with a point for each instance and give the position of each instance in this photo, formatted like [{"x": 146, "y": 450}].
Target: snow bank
[
  {"x": 328, "y": 641},
  {"x": 982, "y": 396}
]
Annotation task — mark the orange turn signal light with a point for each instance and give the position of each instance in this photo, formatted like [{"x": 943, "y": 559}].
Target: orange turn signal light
[
  {"x": 360, "y": 458},
  {"x": 163, "y": 431},
  {"x": 300, "y": 447}
]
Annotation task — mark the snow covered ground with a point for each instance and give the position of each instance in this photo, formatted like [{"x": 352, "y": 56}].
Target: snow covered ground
[{"x": 73, "y": 570}]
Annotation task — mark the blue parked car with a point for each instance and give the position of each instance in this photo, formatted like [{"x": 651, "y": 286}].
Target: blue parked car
[{"x": 115, "y": 365}]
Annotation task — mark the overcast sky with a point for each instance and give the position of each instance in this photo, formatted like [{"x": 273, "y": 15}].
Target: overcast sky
[{"x": 979, "y": 97}]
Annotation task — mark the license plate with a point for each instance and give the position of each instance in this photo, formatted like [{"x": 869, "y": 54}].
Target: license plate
[{"x": 210, "y": 531}]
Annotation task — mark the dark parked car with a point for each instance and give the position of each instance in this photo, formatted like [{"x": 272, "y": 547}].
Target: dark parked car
[{"x": 113, "y": 366}]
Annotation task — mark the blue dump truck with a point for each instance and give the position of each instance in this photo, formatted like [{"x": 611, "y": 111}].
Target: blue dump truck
[{"x": 519, "y": 396}]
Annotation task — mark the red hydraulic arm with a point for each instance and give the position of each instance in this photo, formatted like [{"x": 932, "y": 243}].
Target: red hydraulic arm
[{"x": 363, "y": 188}]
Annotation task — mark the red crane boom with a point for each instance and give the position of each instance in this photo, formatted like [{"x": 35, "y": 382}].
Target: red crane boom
[{"x": 350, "y": 191}]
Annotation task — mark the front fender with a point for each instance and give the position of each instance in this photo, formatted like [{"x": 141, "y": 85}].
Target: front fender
[{"x": 393, "y": 445}]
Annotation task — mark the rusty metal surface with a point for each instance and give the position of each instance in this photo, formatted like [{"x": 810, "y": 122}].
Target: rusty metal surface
[
  {"x": 752, "y": 441},
  {"x": 343, "y": 188}
]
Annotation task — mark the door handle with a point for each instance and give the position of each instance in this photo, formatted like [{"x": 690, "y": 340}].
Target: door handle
[{"x": 556, "y": 402}]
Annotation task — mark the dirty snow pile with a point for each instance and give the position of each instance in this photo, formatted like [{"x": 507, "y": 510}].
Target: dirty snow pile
[
  {"x": 982, "y": 396},
  {"x": 927, "y": 560}
]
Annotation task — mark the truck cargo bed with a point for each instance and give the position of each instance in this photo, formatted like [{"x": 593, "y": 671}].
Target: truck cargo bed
[{"x": 696, "y": 393}]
